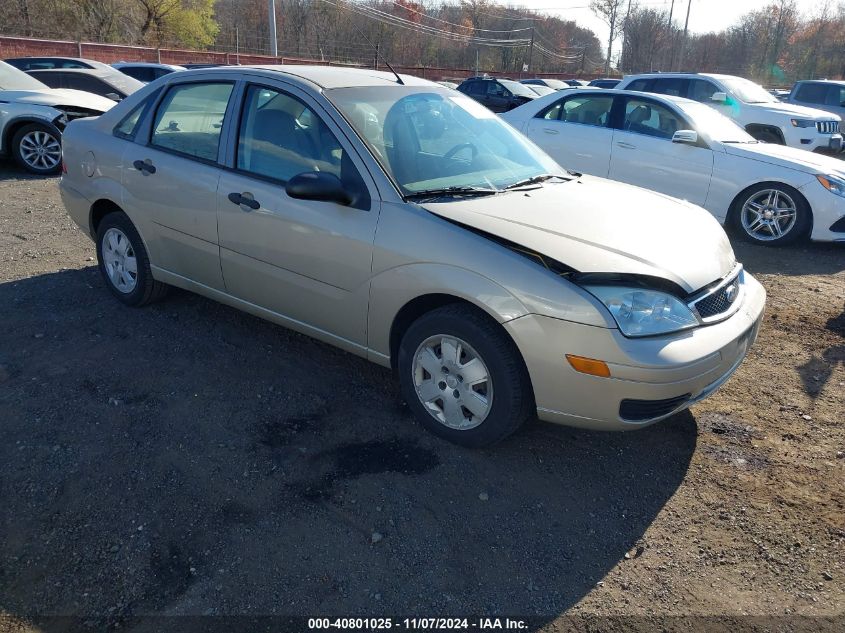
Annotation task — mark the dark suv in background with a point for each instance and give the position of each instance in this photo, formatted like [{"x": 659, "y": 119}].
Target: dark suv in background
[{"x": 500, "y": 95}]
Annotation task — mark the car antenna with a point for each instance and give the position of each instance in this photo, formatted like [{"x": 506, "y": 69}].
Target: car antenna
[{"x": 386, "y": 63}]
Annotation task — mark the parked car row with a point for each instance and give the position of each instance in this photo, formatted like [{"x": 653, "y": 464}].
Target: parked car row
[
  {"x": 403, "y": 222},
  {"x": 771, "y": 193}
]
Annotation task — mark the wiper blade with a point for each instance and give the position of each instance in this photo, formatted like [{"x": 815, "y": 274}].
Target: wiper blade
[
  {"x": 451, "y": 191},
  {"x": 534, "y": 180}
]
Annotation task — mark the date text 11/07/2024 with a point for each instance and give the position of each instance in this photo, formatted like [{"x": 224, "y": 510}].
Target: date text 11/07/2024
[{"x": 423, "y": 624}]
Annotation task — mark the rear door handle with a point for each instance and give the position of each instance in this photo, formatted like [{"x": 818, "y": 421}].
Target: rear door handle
[
  {"x": 625, "y": 145},
  {"x": 145, "y": 166},
  {"x": 549, "y": 130},
  {"x": 244, "y": 200}
]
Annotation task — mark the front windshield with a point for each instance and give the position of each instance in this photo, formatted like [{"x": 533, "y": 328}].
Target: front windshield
[
  {"x": 747, "y": 91},
  {"x": 13, "y": 79},
  {"x": 430, "y": 138},
  {"x": 517, "y": 88},
  {"x": 715, "y": 125}
]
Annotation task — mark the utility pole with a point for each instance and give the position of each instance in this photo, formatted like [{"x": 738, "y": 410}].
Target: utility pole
[
  {"x": 274, "y": 45},
  {"x": 684, "y": 42},
  {"x": 671, "y": 38},
  {"x": 476, "y": 62},
  {"x": 375, "y": 63},
  {"x": 531, "y": 47}
]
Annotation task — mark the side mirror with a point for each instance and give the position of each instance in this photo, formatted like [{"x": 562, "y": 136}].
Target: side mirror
[
  {"x": 719, "y": 97},
  {"x": 690, "y": 137},
  {"x": 113, "y": 96},
  {"x": 318, "y": 185}
]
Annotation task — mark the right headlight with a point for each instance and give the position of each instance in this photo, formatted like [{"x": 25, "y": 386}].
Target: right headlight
[
  {"x": 833, "y": 184},
  {"x": 642, "y": 312},
  {"x": 803, "y": 122}
]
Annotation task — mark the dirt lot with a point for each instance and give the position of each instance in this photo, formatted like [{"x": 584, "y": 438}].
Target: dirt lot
[{"x": 187, "y": 459}]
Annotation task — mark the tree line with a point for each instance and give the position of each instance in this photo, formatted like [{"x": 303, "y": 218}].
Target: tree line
[{"x": 774, "y": 44}]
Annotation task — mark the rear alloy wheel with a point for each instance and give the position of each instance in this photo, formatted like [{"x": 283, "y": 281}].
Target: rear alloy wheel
[
  {"x": 37, "y": 149},
  {"x": 772, "y": 214},
  {"x": 463, "y": 377}
]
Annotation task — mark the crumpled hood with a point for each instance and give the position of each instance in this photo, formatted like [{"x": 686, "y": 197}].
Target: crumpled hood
[
  {"x": 53, "y": 97},
  {"x": 597, "y": 225},
  {"x": 804, "y": 112},
  {"x": 789, "y": 157}
]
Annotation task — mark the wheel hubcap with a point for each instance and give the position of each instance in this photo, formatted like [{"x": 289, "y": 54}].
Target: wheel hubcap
[
  {"x": 119, "y": 260},
  {"x": 40, "y": 150},
  {"x": 769, "y": 215},
  {"x": 452, "y": 382}
]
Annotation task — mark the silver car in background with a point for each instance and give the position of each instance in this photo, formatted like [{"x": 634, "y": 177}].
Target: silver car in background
[{"x": 407, "y": 224}]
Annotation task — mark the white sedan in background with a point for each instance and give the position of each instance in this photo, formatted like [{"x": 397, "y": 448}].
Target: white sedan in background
[{"x": 773, "y": 194}]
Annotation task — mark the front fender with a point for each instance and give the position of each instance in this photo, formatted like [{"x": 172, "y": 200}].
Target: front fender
[{"x": 392, "y": 289}]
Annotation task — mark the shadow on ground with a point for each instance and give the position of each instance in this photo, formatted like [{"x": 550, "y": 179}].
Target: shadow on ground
[{"x": 189, "y": 459}]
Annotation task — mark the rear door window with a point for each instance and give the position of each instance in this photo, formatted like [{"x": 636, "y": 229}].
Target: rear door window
[
  {"x": 587, "y": 110},
  {"x": 640, "y": 85},
  {"x": 702, "y": 90},
  {"x": 674, "y": 86},
  {"x": 190, "y": 117},
  {"x": 651, "y": 119},
  {"x": 811, "y": 92}
]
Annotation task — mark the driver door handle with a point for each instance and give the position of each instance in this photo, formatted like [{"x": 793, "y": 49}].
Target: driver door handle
[
  {"x": 625, "y": 145},
  {"x": 244, "y": 200},
  {"x": 549, "y": 130}
]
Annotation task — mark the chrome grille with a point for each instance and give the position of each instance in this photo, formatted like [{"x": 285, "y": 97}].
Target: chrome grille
[
  {"x": 721, "y": 301},
  {"x": 827, "y": 127}
]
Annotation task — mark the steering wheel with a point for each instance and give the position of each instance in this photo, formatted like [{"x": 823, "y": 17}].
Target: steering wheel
[{"x": 462, "y": 146}]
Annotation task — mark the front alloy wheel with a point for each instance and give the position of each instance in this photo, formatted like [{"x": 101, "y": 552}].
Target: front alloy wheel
[
  {"x": 772, "y": 215},
  {"x": 37, "y": 149}
]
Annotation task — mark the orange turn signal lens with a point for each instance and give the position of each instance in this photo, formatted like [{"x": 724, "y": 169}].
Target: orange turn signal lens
[{"x": 589, "y": 366}]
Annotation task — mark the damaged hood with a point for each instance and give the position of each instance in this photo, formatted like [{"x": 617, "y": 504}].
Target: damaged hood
[{"x": 597, "y": 225}]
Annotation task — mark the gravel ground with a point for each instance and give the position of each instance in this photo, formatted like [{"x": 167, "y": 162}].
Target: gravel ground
[{"x": 188, "y": 459}]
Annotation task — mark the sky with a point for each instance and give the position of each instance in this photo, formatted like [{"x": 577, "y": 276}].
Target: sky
[{"x": 705, "y": 15}]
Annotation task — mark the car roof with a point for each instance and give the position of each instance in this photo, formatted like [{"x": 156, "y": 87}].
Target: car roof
[
  {"x": 681, "y": 75},
  {"x": 144, "y": 65},
  {"x": 326, "y": 77},
  {"x": 838, "y": 82},
  {"x": 96, "y": 72},
  {"x": 628, "y": 93}
]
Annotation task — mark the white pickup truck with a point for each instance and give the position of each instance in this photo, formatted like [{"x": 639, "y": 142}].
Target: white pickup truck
[{"x": 762, "y": 115}]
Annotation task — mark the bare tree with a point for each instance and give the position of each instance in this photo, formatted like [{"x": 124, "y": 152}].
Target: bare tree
[{"x": 609, "y": 11}]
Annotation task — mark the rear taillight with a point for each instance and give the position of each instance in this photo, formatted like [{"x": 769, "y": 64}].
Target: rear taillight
[{"x": 64, "y": 168}]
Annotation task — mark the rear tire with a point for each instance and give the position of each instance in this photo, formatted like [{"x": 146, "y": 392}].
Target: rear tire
[
  {"x": 38, "y": 149},
  {"x": 477, "y": 391},
  {"x": 124, "y": 263}
]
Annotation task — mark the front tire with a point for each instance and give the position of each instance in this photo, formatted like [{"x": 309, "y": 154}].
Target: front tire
[
  {"x": 124, "y": 263},
  {"x": 771, "y": 214},
  {"x": 38, "y": 149},
  {"x": 463, "y": 377}
]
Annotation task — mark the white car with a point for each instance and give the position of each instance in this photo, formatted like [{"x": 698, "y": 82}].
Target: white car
[
  {"x": 771, "y": 193},
  {"x": 32, "y": 117},
  {"x": 761, "y": 114}
]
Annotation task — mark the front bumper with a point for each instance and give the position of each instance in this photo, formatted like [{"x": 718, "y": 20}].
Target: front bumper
[
  {"x": 828, "y": 213},
  {"x": 680, "y": 369}
]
